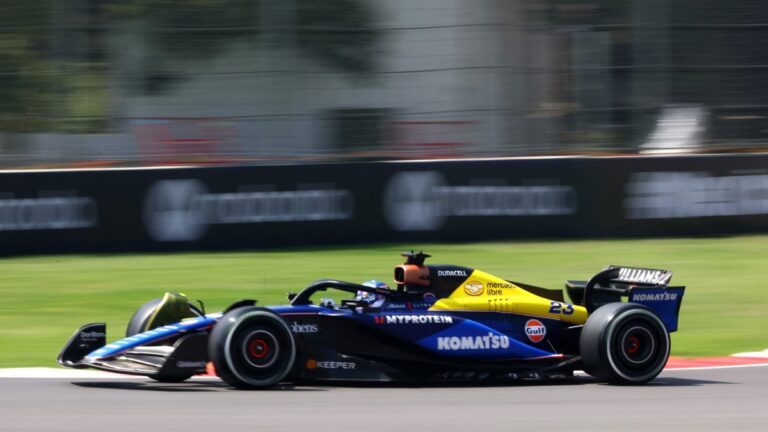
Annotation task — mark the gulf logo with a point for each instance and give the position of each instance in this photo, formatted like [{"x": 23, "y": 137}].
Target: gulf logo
[
  {"x": 535, "y": 330},
  {"x": 473, "y": 288}
]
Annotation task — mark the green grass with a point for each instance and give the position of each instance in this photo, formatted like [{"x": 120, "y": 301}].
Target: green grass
[{"x": 44, "y": 299}]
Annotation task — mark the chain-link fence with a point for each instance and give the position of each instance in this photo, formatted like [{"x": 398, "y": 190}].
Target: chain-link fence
[{"x": 247, "y": 81}]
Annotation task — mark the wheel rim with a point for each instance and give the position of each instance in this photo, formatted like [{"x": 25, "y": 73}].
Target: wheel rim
[
  {"x": 260, "y": 349},
  {"x": 638, "y": 345},
  {"x": 638, "y": 349}
]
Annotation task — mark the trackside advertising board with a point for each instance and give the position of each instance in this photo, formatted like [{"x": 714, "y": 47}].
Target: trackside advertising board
[{"x": 325, "y": 204}]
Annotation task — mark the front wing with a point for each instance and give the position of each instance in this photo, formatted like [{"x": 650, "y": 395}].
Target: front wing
[{"x": 136, "y": 355}]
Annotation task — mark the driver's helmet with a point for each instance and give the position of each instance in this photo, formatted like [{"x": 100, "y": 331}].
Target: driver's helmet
[{"x": 369, "y": 296}]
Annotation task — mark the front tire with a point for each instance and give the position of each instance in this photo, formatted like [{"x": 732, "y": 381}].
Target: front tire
[
  {"x": 252, "y": 348},
  {"x": 139, "y": 323},
  {"x": 624, "y": 343}
]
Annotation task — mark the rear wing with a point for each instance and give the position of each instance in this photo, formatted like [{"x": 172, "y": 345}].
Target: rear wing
[
  {"x": 641, "y": 276},
  {"x": 649, "y": 287}
]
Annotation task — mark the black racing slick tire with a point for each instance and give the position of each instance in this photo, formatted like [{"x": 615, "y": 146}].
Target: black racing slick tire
[
  {"x": 252, "y": 348},
  {"x": 170, "y": 379},
  {"x": 138, "y": 324},
  {"x": 624, "y": 343},
  {"x": 138, "y": 321}
]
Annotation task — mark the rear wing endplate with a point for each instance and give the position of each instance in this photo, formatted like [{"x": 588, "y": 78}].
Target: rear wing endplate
[{"x": 648, "y": 287}]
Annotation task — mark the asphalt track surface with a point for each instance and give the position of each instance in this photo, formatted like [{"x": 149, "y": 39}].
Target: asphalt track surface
[{"x": 727, "y": 399}]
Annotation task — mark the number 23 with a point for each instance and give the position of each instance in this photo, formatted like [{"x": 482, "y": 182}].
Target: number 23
[{"x": 560, "y": 308}]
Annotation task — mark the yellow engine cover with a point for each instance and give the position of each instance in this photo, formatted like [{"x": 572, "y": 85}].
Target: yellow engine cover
[{"x": 483, "y": 292}]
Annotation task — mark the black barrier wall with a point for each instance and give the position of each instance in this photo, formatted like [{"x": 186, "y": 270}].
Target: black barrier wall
[{"x": 272, "y": 206}]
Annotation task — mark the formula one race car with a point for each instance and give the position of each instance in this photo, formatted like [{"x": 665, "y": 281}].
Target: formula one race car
[{"x": 441, "y": 322}]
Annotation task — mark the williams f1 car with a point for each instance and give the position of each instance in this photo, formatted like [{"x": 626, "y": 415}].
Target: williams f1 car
[{"x": 440, "y": 323}]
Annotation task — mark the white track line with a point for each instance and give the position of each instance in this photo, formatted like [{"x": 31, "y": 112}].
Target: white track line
[
  {"x": 42, "y": 372},
  {"x": 716, "y": 367},
  {"x": 755, "y": 354},
  {"x": 60, "y": 373}
]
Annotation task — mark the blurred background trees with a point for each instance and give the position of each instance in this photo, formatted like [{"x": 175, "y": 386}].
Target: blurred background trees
[
  {"x": 54, "y": 59},
  {"x": 384, "y": 78}
]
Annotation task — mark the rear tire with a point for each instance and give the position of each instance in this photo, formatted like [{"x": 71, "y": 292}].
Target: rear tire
[
  {"x": 624, "y": 343},
  {"x": 252, "y": 348}
]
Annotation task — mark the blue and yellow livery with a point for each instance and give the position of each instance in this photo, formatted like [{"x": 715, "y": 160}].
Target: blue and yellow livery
[{"x": 438, "y": 322}]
